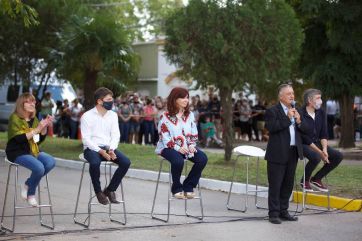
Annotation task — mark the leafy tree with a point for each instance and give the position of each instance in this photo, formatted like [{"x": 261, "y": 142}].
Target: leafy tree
[
  {"x": 15, "y": 9},
  {"x": 332, "y": 53},
  {"x": 37, "y": 51},
  {"x": 152, "y": 14},
  {"x": 231, "y": 43},
  {"x": 96, "y": 47},
  {"x": 26, "y": 52}
]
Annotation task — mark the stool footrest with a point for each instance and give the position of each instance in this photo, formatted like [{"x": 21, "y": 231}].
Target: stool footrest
[{"x": 39, "y": 206}]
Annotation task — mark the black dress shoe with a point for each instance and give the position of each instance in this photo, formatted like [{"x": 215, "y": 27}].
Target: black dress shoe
[
  {"x": 275, "y": 220},
  {"x": 111, "y": 196},
  {"x": 288, "y": 217},
  {"x": 102, "y": 199}
]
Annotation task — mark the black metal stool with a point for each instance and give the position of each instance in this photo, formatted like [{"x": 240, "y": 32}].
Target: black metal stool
[
  {"x": 170, "y": 198},
  {"x": 86, "y": 222},
  {"x": 15, "y": 204}
]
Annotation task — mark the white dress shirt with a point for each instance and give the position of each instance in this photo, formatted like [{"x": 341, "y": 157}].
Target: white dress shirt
[
  {"x": 291, "y": 127},
  {"x": 98, "y": 130},
  {"x": 331, "y": 107}
]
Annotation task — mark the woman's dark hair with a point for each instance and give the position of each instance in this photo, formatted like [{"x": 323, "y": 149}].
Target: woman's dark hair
[
  {"x": 175, "y": 94},
  {"x": 148, "y": 101}
]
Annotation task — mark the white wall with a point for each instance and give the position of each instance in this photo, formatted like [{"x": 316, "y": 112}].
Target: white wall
[{"x": 164, "y": 69}]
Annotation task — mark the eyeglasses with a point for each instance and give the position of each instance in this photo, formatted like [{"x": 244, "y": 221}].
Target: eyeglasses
[{"x": 30, "y": 101}]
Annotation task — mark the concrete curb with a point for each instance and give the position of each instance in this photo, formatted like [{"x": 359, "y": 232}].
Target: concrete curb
[{"x": 335, "y": 202}]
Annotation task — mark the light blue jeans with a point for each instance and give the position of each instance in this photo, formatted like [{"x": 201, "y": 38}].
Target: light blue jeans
[{"x": 39, "y": 167}]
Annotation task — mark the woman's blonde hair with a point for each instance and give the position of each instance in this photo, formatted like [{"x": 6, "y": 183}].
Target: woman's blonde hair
[{"x": 19, "y": 106}]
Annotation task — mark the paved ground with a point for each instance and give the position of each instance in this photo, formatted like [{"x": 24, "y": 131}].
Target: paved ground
[{"x": 219, "y": 224}]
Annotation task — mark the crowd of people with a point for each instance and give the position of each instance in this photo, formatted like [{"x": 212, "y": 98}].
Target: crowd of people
[{"x": 138, "y": 117}]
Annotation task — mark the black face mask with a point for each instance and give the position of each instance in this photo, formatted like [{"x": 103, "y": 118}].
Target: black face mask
[{"x": 108, "y": 105}]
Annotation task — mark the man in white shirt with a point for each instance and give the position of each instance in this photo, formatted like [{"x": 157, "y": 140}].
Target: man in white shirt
[{"x": 100, "y": 137}]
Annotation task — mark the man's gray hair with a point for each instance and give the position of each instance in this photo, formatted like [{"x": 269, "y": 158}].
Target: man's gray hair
[
  {"x": 282, "y": 87},
  {"x": 309, "y": 94}
]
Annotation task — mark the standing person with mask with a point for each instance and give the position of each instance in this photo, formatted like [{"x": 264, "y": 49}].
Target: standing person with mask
[
  {"x": 315, "y": 142},
  {"x": 100, "y": 137},
  {"x": 284, "y": 147}
]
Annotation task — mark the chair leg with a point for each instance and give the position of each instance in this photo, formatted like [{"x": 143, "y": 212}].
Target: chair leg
[
  {"x": 153, "y": 214},
  {"x": 75, "y": 218},
  {"x": 257, "y": 186},
  {"x": 305, "y": 195},
  {"x": 201, "y": 206},
  {"x": 200, "y": 199},
  {"x": 48, "y": 205},
  {"x": 228, "y": 206},
  {"x": 124, "y": 221},
  {"x": 3, "y": 227}
]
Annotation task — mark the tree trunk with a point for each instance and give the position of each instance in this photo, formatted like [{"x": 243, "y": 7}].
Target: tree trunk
[
  {"x": 89, "y": 86},
  {"x": 227, "y": 115},
  {"x": 347, "y": 125}
]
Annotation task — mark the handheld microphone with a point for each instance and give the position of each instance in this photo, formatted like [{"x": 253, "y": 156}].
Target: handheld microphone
[{"x": 292, "y": 104}]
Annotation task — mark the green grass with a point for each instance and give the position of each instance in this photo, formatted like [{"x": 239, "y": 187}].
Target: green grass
[{"x": 344, "y": 181}]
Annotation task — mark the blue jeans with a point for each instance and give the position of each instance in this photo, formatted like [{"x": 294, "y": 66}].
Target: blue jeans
[
  {"x": 95, "y": 159},
  {"x": 39, "y": 167},
  {"x": 124, "y": 128},
  {"x": 177, "y": 163},
  {"x": 149, "y": 131}
]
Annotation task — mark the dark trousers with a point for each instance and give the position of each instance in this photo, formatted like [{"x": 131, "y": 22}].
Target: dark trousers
[
  {"x": 73, "y": 129},
  {"x": 124, "y": 128},
  {"x": 281, "y": 181},
  {"x": 255, "y": 129},
  {"x": 334, "y": 157},
  {"x": 141, "y": 132},
  {"x": 176, "y": 160},
  {"x": 330, "y": 125},
  {"x": 95, "y": 159},
  {"x": 149, "y": 127}
]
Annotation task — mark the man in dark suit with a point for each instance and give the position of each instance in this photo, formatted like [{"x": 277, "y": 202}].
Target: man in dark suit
[{"x": 284, "y": 147}]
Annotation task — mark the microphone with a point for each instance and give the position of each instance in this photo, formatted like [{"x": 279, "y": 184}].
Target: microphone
[{"x": 292, "y": 104}]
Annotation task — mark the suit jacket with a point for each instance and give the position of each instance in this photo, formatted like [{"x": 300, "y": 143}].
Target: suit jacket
[{"x": 277, "y": 123}]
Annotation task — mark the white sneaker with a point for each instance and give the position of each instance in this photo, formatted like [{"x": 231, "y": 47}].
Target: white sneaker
[
  {"x": 32, "y": 201},
  {"x": 24, "y": 191}
]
